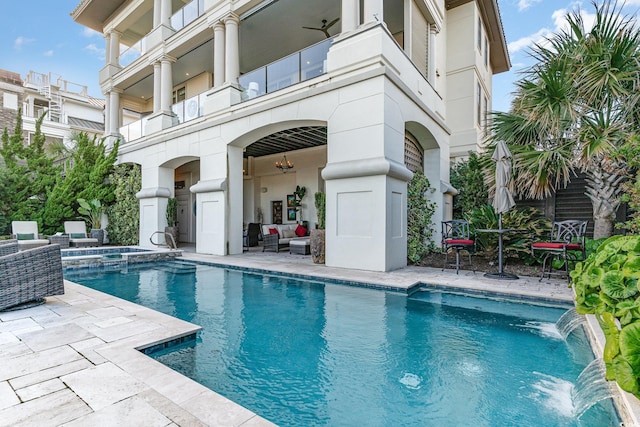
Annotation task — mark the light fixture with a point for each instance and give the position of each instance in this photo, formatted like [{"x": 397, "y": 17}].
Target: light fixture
[{"x": 284, "y": 165}]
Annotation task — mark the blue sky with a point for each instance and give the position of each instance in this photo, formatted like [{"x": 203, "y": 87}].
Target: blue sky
[{"x": 40, "y": 35}]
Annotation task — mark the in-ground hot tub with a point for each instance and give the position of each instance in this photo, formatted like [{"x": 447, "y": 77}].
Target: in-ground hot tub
[{"x": 113, "y": 256}]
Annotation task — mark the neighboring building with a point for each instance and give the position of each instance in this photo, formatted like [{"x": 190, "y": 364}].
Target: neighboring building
[
  {"x": 67, "y": 106},
  {"x": 209, "y": 95}
]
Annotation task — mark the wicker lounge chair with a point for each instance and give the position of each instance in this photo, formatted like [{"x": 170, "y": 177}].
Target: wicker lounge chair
[
  {"x": 26, "y": 232},
  {"x": 77, "y": 231},
  {"x": 29, "y": 276}
]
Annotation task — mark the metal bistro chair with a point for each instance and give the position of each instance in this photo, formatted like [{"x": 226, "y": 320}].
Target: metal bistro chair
[
  {"x": 567, "y": 238},
  {"x": 456, "y": 236}
]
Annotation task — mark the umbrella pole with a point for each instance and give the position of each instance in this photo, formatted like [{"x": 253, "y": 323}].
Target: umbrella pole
[{"x": 500, "y": 269}]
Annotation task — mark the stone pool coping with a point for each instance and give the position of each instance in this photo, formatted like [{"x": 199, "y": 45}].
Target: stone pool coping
[{"x": 74, "y": 360}]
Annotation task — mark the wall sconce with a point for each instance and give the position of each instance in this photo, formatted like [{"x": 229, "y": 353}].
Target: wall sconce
[
  {"x": 284, "y": 165},
  {"x": 263, "y": 189}
]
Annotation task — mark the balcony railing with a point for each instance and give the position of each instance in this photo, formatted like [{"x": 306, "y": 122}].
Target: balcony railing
[
  {"x": 302, "y": 65},
  {"x": 178, "y": 21},
  {"x": 187, "y": 14},
  {"x": 189, "y": 109},
  {"x": 134, "y": 52}
]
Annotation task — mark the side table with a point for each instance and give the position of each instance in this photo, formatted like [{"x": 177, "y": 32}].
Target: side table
[{"x": 59, "y": 239}]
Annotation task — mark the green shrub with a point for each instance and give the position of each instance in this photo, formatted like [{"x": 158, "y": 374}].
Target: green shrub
[
  {"x": 515, "y": 245},
  {"x": 606, "y": 285},
  {"x": 467, "y": 177},
  {"x": 124, "y": 214},
  {"x": 419, "y": 214}
]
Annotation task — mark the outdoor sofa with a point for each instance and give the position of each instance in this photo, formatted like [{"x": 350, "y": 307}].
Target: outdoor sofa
[
  {"x": 278, "y": 236},
  {"x": 30, "y": 275}
]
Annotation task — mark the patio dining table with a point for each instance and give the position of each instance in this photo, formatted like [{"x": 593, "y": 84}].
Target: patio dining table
[{"x": 501, "y": 274}]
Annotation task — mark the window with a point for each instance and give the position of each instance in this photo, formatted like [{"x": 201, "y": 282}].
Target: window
[
  {"x": 10, "y": 101},
  {"x": 486, "y": 52},
  {"x": 480, "y": 35},
  {"x": 179, "y": 95},
  {"x": 486, "y": 114},
  {"x": 479, "y": 106}
]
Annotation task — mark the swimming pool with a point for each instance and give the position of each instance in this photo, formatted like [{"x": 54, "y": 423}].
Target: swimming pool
[{"x": 313, "y": 353}]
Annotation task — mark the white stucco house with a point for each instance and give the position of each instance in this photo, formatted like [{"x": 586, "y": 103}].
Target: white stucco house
[
  {"x": 67, "y": 106},
  {"x": 355, "y": 93}
]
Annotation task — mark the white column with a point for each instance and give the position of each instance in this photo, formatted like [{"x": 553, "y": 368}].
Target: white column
[
  {"x": 157, "y": 87},
  {"x": 165, "y": 13},
  {"x": 218, "y": 54},
  {"x": 107, "y": 49},
  {"x": 350, "y": 15},
  {"x": 114, "y": 112},
  {"x": 232, "y": 54},
  {"x": 157, "y": 17},
  {"x": 114, "y": 48},
  {"x": 431, "y": 60},
  {"x": 107, "y": 114},
  {"x": 373, "y": 11},
  {"x": 166, "y": 84}
]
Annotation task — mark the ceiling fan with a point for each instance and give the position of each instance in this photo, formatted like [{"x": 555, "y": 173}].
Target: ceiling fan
[{"x": 325, "y": 27}]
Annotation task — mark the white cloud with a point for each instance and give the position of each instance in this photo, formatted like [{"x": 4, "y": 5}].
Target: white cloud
[
  {"x": 21, "y": 41},
  {"x": 48, "y": 53},
  {"x": 526, "y": 4},
  {"x": 95, "y": 50},
  {"x": 88, "y": 32},
  {"x": 525, "y": 42}
]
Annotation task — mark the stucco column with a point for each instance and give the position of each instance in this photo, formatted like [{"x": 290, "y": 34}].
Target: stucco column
[
  {"x": 157, "y": 17},
  {"x": 431, "y": 60},
  {"x": 107, "y": 49},
  {"x": 166, "y": 82},
  {"x": 373, "y": 11},
  {"x": 156, "y": 189},
  {"x": 232, "y": 53},
  {"x": 114, "y": 110},
  {"x": 350, "y": 15},
  {"x": 235, "y": 198},
  {"x": 107, "y": 114},
  {"x": 157, "y": 91},
  {"x": 165, "y": 13},
  {"x": 218, "y": 54},
  {"x": 114, "y": 48}
]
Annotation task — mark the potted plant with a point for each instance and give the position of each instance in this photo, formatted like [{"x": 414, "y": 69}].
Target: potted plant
[
  {"x": 172, "y": 219},
  {"x": 91, "y": 212},
  {"x": 317, "y": 237},
  {"x": 299, "y": 195}
]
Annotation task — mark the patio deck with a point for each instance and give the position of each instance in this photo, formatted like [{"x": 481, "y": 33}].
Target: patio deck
[{"x": 73, "y": 360}]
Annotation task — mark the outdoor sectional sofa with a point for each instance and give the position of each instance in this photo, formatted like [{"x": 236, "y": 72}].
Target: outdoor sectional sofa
[
  {"x": 285, "y": 234},
  {"x": 29, "y": 275}
]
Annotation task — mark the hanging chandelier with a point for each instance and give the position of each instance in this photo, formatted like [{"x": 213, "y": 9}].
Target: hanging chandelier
[{"x": 284, "y": 165}]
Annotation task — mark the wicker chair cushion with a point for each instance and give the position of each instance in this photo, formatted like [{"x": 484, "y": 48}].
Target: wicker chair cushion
[
  {"x": 25, "y": 236},
  {"x": 78, "y": 235}
]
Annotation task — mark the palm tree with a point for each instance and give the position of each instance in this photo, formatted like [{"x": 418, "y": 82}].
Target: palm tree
[{"x": 573, "y": 108}]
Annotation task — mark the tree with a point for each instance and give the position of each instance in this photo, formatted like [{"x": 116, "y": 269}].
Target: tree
[
  {"x": 468, "y": 179},
  {"x": 573, "y": 108},
  {"x": 86, "y": 178}
]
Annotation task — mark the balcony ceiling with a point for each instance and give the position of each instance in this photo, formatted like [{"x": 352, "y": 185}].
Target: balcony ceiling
[{"x": 288, "y": 140}]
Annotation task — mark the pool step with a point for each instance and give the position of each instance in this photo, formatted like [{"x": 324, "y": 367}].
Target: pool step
[{"x": 176, "y": 267}]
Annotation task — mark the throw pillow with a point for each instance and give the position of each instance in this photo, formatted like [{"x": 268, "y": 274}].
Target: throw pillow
[
  {"x": 25, "y": 236},
  {"x": 301, "y": 231},
  {"x": 273, "y": 231},
  {"x": 289, "y": 234},
  {"x": 78, "y": 235}
]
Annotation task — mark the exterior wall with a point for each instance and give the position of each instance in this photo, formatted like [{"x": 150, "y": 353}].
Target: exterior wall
[
  {"x": 368, "y": 95},
  {"x": 465, "y": 70}
]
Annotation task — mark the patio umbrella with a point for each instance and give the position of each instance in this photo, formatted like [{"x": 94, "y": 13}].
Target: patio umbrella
[{"x": 502, "y": 200}]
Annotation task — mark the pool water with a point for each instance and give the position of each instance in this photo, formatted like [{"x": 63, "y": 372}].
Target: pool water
[{"x": 308, "y": 353}]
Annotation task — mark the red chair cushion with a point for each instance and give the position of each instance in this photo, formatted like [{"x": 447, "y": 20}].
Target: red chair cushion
[
  {"x": 557, "y": 245},
  {"x": 459, "y": 242}
]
